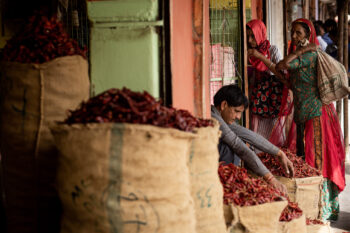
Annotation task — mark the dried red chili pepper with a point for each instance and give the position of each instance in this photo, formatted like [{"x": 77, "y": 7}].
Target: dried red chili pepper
[
  {"x": 41, "y": 40},
  {"x": 115, "y": 105},
  {"x": 301, "y": 168}
]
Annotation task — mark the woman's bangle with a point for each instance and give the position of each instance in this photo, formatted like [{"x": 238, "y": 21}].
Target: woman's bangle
[{"x": 271, "y": 65}]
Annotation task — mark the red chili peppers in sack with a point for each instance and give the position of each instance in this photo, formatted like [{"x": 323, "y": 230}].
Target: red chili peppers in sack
[
  {"x": 244, "y": 190},
  {"x": 115, "y": 105},
  {"x": 301, "y": 168},
  {"x": 41, "y": 40}
]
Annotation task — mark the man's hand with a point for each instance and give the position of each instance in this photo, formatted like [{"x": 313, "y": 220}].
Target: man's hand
[
  {"x": 278, "y": 185},
  {"x": 286, "y": 163}
]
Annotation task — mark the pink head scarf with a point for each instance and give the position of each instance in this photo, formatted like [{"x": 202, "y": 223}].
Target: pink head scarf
[{"x": 259, "y": 31}]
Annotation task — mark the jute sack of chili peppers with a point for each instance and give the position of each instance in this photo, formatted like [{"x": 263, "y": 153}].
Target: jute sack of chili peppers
[
  {"x": 304, "y": 188},
  {"x": 31, "y": 97},
  {"x": 36, "y": 89},
  {"x": 120, "y": 177},
  {"x": 206, "y": 188},
  {"x": 255, "y": 205}
]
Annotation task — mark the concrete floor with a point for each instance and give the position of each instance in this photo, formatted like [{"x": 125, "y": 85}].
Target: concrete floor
[{"x": 343, "y": 223}]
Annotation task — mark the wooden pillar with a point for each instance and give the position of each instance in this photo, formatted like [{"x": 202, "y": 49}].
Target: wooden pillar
[
  {"x": 312, "y": 12},
  {"x": 285, "y": 26},
  {"x": 244, "y": 55},
  {"x": 306, "y": 8},
  {"x": 198, "y": 56},
  {"x": 340, "y": 12},
  {"x": 346, "y": 59}
]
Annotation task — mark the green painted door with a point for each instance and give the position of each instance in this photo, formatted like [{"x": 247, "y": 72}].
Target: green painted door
[{"x": 125, "y": 45}]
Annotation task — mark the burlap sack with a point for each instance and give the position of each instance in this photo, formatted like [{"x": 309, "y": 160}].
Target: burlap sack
[
  {"x": 306, "y": 192},
  {"x": 332, "y": 78},
  {"x": 206, "y": 188},
  {"x": 296, "y": 225},
  {"x": 124, "y": 178},
  {"x": 31, "y": 97},
  {"x": 257, "y": 219},
  {"x": 228, "y": 215},
  {"x": 316, "y": 228}
]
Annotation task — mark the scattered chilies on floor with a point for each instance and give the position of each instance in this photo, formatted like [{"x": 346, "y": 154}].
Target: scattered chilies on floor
[
  {"x": 41, "y": 40},
  {"x": 314, "y": 221},
  {"x": 301, "y": 168},
  {"x": 126, "y": 106}
]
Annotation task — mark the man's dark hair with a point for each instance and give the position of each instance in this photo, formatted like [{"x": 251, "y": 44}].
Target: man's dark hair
[
  {"x": 330, "y": 25},
  {"x": 232, "y": 94},
  {"x": 318, "y": 25}
]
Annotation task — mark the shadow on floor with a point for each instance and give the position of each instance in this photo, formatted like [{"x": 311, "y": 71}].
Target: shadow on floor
[{"x": 343, "y": 221}]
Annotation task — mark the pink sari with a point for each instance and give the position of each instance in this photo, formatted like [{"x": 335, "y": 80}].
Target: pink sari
[{"x": 326, "y": 151}]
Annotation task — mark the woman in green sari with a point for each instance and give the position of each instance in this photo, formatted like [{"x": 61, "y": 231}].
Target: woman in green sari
[{"x": 319, "y": 136}]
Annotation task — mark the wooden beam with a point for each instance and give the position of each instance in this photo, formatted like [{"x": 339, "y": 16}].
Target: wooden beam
[
  {"x": 244, "y": 55},
  {"x": 198, "y": 57},
  {"x": 346, "y": 59},
  {"x": 306, "y": 9},
  {"x": 285, "y": 27},
  {"x": 312, "y": 11},
  {"x": 340, "y": 12}
]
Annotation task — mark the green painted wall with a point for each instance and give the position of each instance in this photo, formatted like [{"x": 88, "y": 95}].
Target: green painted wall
[
  {"x": 124, "y": 45},
  {"x": 124, "y": 57},
  {"x": 123, "y": 10}
]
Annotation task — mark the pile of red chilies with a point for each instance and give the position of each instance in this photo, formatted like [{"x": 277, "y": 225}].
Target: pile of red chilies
[
  {"x": 41, "y": 40},
  {"x": 243, "y": 190},
  {"x": 310, "y": 221},
  {"x": 301, "y": 168},
  {"x": 124, "y": 105}
]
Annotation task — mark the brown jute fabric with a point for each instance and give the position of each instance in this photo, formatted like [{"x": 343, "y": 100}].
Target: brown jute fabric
[
  {"x": 332, "y": 78},
  {"x": 206, "y": 188},
  {"x": 306, "y": 192},
  {"x": 258, "y": 219},
  {"x": 228, "y": 215},
  {"x": 124, "y": 178},
  {"x": 296, "y": 225},
  {"x": 317, "y": 228},
  {"x": 31, "y": 97}
]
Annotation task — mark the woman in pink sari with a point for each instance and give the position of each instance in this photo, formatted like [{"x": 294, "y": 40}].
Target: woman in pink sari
[
  {"x": 319, "y": 136},
  {"x": 270, "y": 100}
]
